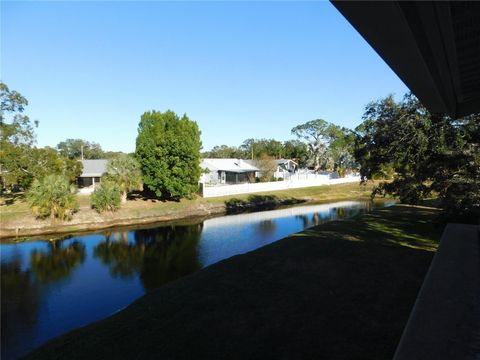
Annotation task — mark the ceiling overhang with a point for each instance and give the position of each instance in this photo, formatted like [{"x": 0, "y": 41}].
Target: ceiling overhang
[{"x": 434, "y": 47}]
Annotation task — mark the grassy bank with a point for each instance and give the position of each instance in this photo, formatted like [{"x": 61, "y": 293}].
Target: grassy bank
[
  {"x": 17, "y": 219},
  {"x": 341, "y": 290}
]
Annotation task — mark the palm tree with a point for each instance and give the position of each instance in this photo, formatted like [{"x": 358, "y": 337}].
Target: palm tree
[
  {"x": 125, "y": 172},
  {"x": 53, "y": 196}
]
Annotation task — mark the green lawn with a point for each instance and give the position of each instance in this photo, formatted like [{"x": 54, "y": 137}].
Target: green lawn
[
  {"x": 400, "y": 225},
  {"x": 341, "y": 290},
  {"x": 317, "y": 194}
]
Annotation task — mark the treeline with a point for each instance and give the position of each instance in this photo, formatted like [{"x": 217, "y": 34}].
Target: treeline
[
  {"x": 421, "y": 155},
  {"x": 256, "y": 148},
  {"x": 82, "y": 149},
  {"x": 320, "y": 145}
]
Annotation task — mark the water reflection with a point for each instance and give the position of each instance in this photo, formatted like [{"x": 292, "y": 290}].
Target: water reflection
[
  {"x": 157, "y": 256},
  {"x": 58, "y": 261},
  {"x": 19, "y": 303},
  {"x": 170, "y": 254},
  {"x": 266, "y": 227},
  {"x": 51, "y": 287},
  {"x": 122, "y": 258}
]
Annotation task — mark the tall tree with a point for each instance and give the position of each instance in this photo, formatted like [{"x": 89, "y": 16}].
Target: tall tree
[
  {"x": 17, "y": 136},
  {"x": 297, "y": 151},
  {"x": 427, "y": 152},
  {"x": 46, "y": 161},
  {"x": 168, "y": 151},
  {"x": 329, "y": 145},
  {"x": 255, "y": 148},
  {"x": 342, "y": 148}
]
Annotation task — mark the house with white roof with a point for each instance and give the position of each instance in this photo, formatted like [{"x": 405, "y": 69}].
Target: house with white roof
[{"x": 227, "y": 171}]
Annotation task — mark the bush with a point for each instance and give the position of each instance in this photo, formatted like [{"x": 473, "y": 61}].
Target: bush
[
  {"x": 106, "y": 197},
  {"x": 267, "y": 166},
  {"x": 53, "y": 197}
]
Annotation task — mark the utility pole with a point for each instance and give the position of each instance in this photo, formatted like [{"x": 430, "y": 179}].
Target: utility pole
[{"x": 81, "y": 150}]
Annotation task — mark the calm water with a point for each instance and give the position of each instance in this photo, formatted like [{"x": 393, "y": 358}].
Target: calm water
[{"x": 51, "y": 287}]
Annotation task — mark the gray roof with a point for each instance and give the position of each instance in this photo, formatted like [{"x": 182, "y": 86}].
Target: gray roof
[
  {"x": 278, "y": 161},
  {"x": 230, "y": 165},
  {"x": 94, "y": 168}
]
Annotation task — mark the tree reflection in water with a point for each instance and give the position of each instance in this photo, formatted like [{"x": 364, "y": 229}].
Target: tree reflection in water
[
  {"x": 305, "y": 220},
  {"x": 159, "y": 255},
  {"x": 58, "y": 261},
  {"x": 19, "y": 303},
  {"x": 266, "y": 227},
  {"x": 123, "y": 258},
  {"x": 313, "y": 220}
]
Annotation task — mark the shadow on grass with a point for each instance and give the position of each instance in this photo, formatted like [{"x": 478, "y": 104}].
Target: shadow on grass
[
  {"x": 258, "y": 203},
  {"x": 147, "y": 195},
  {"x": 390, "y": 226}
]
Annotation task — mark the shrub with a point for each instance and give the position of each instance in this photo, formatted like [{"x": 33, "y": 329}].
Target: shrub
[
  {"x": 267, "y": 166},
  {"x": 106, "y": 197},
  {"x": 53, "y": 196}
]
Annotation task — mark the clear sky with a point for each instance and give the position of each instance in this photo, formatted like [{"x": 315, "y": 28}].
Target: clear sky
[{"x": 240, "y": 69}]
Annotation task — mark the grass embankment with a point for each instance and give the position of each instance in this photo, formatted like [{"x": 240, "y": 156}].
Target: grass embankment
[
  {"x": 341, "y": 290},
  {"x": 17, "y": 219}
]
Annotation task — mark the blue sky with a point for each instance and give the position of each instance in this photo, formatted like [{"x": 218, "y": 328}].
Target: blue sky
[{"x": 240, "y": 69}]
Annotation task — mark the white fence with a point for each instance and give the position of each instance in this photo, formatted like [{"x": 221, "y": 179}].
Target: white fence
[{"x": 225, "y": 190}]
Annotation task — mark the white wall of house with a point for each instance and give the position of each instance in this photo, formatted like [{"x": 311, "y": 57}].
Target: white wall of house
[
  {"x": 226, "y": 190},
  {"x": 212, "y": 177}
]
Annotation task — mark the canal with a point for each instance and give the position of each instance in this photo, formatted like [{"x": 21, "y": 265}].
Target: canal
[{"x": 51, "y": 287}]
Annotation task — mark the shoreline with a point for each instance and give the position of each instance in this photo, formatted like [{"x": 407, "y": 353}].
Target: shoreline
[
  {"x": 83, "y": 227},
  {"x": 144, "y": 213}
]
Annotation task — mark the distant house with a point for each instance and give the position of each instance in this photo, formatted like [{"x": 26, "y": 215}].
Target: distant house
[
  {"x": 91, "y": 175},
  {"x": 227, "y": 171},
  {"x": 285, "y": 168}
]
